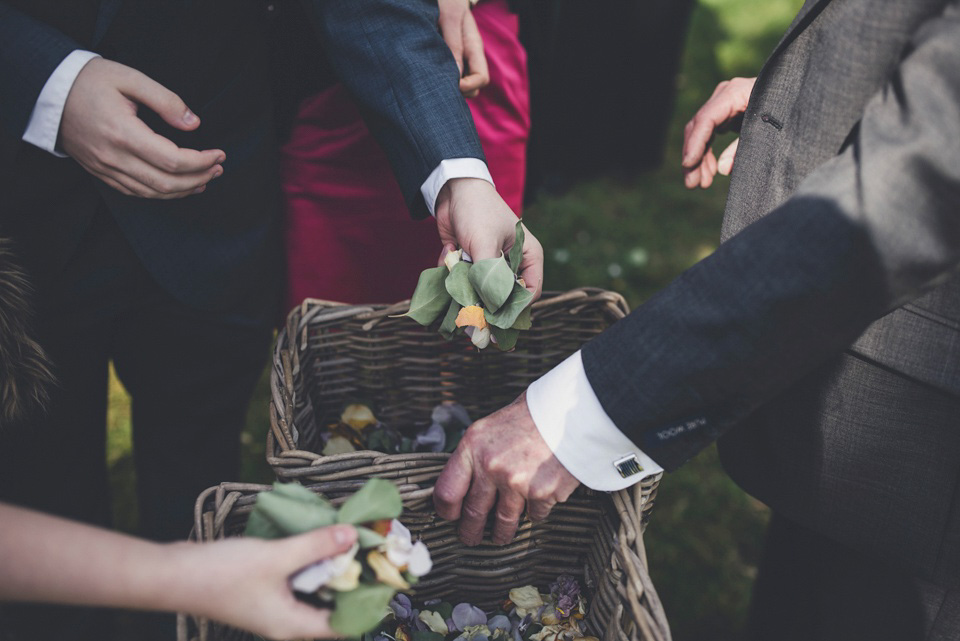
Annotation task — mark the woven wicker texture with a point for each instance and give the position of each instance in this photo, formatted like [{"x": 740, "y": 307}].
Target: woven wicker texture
[
  {"x": 331, "y": 354},
  {"x": 595, "y": 537}
]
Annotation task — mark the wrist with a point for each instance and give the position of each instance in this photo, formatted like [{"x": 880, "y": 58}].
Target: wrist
[{"x": 458, "y": 188}]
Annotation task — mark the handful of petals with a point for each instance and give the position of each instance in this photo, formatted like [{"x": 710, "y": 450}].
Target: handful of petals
[
  {"x": 358, "y": 586},
  {"x": 485, "y": 300},
  {"x": 448, "y": 422}
]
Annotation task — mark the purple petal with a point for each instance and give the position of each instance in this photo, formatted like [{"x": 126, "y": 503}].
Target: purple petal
[
  {"x": 499, "y": 622},
  {"x": 434, "y": 438},
  {"x": 465, "y": 615}
]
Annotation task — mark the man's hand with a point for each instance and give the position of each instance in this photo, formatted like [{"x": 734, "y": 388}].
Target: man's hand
[
  {"x": 459, "y": 31},
  {"x": 101, "y": 131},
  {"x": 471, "y": 214},
  {"x": 502, "y": 459},
  {"x": 729, "y": 100},
  {"x": 246, "y": 582}
]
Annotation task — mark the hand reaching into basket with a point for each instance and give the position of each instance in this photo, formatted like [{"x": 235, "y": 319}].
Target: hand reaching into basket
[
  {"x": 243, "y": 582},
  {"x": 503, "y": 461}
]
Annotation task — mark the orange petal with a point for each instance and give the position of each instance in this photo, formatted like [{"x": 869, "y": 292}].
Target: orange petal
[{"x": 471, "y": 315}]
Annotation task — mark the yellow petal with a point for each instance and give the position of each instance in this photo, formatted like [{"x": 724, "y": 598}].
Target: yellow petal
[
  {"x": 358, "y": 416},
  {"x": 471, "y": 315},
  {"x": 386, "y": 572},
  {"x": 349, "y": 580}
]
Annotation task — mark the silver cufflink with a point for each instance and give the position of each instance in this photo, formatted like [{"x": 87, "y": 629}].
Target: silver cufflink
[{"x": 628, "y": 465}]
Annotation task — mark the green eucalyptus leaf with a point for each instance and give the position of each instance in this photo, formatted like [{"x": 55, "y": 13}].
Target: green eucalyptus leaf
[
  {"x": 377, "y": 499},
  {"x": 361, "y": 609},
  {"x": 516, "y": 252},
  {"x": 506, "y": 338},
  {"x": 459, "y": 287},
  {"x": 507, "y": 315},
  {"x": 523, "y": 320},
  {"x": 367, "y": 538},
  {"x": 430, "y": 297},
  {"x": 448, "y": 328},
  {"x": 289, "y": 509},
  {"x": 493, "y": 279}
]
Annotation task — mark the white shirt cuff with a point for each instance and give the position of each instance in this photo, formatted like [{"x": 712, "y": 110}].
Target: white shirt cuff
[
  {"x": 448, "y": 170},
  {"x": 44, "y": 125},
  {"x": 571, "y": 420}
]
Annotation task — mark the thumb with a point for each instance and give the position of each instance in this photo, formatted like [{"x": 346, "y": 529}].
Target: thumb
[
  {"x": 168, "y": 105},
  {"x": 317, "y": 545},
  {"x": 725, "y": 161}
]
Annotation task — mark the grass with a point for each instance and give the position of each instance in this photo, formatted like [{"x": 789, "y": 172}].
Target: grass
[{"x": 634, "y": 237}]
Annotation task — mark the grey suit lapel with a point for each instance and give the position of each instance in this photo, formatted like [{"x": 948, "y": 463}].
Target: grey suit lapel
[{"x": 108, "y": 11}]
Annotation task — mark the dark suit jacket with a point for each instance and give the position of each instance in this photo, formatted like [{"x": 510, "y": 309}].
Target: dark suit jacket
[
  {"x": 842, "y": 232},
  {"x": 219, "y": 250}
]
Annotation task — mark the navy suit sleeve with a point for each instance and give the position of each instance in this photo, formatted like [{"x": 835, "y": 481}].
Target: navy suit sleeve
[
  {"x": 869, "y": 230},
  {"x": 29, "y": 52},
  {"x": 391, "y": 57}
]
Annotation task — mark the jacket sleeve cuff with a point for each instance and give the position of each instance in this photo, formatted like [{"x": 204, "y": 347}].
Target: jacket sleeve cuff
[
  {"x": 571, "y": 420},
  {"x": 448, "y": 170},
  {"x": 44, "y": 124}
]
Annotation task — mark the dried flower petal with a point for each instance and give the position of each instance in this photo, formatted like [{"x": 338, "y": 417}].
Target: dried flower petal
[
  {"x": 471, "y": 316},
  {"x": 386, "y": 571},
  {"x": 432, "y": 439},
  {"x": 338, "y": 445},
  {"x": 348, "y": 580},
  {"x": 452, "y": 258},
  {"x": 323, "y": 573},
  {"x": 547, "y": 632},
  {"x": 358, "y": 416},
  {"x": 434, "y": 621},
  {"x": 481, "y": 338},
  {"x": 420, "y": 562},
  {"x": 527, "y": 599},
  {"x": 465, "y": 615}
]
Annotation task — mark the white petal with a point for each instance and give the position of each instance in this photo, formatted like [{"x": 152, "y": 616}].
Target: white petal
[
  {"x": 481, "y": 338},
  {"x": 313, "y": 577},
  {"x": 420, "y": 562},
  {"x": 452, "y": 258},
  {"x": 398, "y": 529}
]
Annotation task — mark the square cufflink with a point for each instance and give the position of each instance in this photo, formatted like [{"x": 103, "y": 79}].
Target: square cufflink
[{"x": 628, "y": 465}]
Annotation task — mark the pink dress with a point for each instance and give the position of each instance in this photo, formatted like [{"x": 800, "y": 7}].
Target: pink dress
[{"x": 349, "y": 236}]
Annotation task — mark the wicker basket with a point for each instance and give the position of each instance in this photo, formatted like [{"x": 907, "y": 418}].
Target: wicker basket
[
  {"x": 593, "y": 536},
  {"x": 331, "y": 354}
]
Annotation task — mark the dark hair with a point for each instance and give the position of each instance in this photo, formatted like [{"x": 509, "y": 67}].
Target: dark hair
[{"x": 25, "y": 374}]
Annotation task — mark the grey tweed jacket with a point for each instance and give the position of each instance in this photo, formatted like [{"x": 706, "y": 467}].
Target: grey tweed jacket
[{"x": 822, "y": 339}]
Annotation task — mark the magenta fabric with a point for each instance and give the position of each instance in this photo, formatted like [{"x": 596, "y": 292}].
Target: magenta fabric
[{"x": 349, "y": 237}]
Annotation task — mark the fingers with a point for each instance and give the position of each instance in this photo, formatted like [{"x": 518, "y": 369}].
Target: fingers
[
  {"x": 725, "y": 162},
  {"x": 168, "y": 105},
  {"x": 531, "y": 267},
  {"x": 478, "y": 75},
  {"x": 452, "y": 485},
  {"x": 539, "y": 509},
  {"x": 509, "y": 510},
  {"x": 729, "y": 99},
  {"x": 708, "y": 169},
  {"x": 317, "y": 545},
  {"x": 476, "y": 507},
  {"x": 147, "y": 181}
]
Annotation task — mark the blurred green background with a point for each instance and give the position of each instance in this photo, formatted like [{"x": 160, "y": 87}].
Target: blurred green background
[{"x": 634, "y": 237}]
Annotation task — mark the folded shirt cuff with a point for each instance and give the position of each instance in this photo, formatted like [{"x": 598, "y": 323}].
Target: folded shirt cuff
[
  {"x": 574, "y": 424},
  {"x": 44, "y": 125},
  {"x": 448, "y": 170}
]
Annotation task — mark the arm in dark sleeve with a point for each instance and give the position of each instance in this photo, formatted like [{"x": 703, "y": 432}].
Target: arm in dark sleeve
[
  {"x": 394, "y": 61},
  {"x": 29, "y": 52},
  {"x": 866, "y": 232}
]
